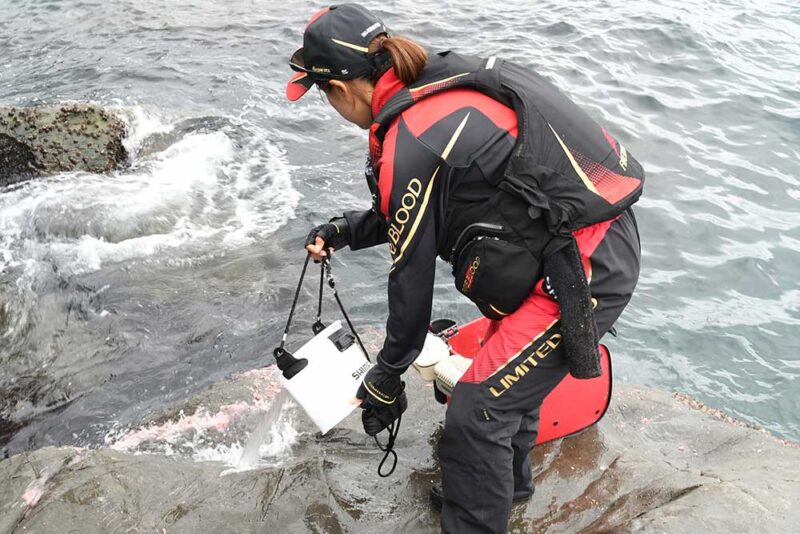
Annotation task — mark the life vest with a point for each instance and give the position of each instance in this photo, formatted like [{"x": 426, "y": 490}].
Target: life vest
[{"x": 569, "y": 170}]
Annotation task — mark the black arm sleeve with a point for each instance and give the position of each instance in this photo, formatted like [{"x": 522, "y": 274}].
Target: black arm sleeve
[
  {"x": 410, "y": 299},
  {"x": 367, "y": 229},
  {"x": 416, "y": 209}
]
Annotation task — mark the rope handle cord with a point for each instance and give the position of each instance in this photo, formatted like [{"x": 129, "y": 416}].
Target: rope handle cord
[
  {"x": 294, "y": 302},
  {"x": 325, "y": 268},
  {"x": 388, "y": 450}
]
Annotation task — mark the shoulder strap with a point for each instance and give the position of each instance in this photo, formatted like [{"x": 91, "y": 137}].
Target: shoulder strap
[{"x": 444, "y": 71}]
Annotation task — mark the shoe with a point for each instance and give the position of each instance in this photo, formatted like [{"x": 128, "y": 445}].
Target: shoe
[{"x": 437, "y": 496}]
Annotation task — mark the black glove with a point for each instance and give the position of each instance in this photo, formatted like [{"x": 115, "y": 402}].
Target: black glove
[
  {"x": 335, "y": 233},
  {"x": 384, "y": 399}
]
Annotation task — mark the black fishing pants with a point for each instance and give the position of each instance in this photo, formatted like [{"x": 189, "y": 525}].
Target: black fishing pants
[{"x": 492, "y": 420}]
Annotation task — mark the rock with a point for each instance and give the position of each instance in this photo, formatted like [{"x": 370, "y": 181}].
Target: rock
[
  {"x": 664, "y": 463},
  {"x": 46, "y": 140},
  {"x": 656, "y": 462},
  {"x": 17, "y": 160}
]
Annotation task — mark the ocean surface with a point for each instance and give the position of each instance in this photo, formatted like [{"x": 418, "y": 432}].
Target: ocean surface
[{"x": 121, "y": 295}]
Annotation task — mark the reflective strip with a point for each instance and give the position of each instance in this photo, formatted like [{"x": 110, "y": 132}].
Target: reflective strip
[
  {"x": 421, "y": 87},
  {"x": 497, "y": 311},
  {"x": 523, "y": 349},
  {"x": 377, "y": 394},
  {"x": 351, "y": 45},
  {"x": 423, "y": 206},
  {"x": 582, "y": 175},
  {"x": 490, "y": 63},
  {"x": 452, "y": 143}
]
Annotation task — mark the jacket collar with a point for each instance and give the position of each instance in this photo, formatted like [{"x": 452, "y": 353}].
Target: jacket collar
[{"x": 388, "y": 85}]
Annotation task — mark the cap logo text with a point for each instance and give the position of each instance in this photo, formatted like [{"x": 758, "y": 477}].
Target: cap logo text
[{"x": 370, "y": 29}]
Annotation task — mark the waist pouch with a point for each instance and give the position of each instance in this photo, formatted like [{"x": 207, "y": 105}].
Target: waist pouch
[{"x": 493, "y": 273}]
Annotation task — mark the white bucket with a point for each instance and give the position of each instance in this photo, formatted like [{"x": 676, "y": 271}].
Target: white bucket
[
  {"x": 434, "y": 351},
  {"x": 326, "y": 387},
  {"x": 449, "y": 371}
]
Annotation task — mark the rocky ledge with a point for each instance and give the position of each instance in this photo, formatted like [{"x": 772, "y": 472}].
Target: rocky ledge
[
  {"x": 657, "y": 462},
  {"x": 44, "y": 140}
]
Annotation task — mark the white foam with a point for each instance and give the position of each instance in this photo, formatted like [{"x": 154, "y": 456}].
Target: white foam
[
  {"x": 81, "y": 221},
  {"x": 201, "y": 192},
  {"x": 275, "y": 448},
  {"x": 265, "y": 196},
  {"x": 141, "y": 125}
]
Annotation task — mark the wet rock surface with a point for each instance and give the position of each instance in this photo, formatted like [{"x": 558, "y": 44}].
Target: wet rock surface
[
  {"x": 661, "y": 462},
  {"x": 45, "y": 140},
  {"x": 656, "y": 462},
  {"x": 17, "y": 160}
]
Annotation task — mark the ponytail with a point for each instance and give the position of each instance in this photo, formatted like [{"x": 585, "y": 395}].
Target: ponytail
[{"x": 408, "y": 58}]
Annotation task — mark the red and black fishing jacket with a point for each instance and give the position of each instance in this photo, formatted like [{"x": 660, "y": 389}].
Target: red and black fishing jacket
[{"x": 478, "y": 140}]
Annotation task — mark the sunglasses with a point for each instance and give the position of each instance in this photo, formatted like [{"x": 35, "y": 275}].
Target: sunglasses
[{"x": 298, "y": 65}]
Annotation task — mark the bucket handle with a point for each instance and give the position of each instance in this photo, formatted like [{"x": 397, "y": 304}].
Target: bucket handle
[{"x": 286, "y": 362}]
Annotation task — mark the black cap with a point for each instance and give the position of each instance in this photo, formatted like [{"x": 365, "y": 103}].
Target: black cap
[{"x": 335, "y": 47}]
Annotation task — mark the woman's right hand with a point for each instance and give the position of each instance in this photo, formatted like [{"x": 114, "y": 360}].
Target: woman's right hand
[{"x": 325, "y": 238}]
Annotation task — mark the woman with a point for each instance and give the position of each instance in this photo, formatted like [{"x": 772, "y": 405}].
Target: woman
[{"x": 488, "y": 166}]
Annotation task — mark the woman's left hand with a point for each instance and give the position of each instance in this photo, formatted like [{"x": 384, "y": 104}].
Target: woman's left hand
[{"x": 325, "y": 238}]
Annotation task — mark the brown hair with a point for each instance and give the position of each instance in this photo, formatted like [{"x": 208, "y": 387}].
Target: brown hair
[{"x": 408, "y": 57}]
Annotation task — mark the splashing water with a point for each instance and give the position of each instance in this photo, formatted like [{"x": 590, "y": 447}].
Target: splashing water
[
  {"x": 247, "y": 434},
  {"x": 267, "y": 434}
]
